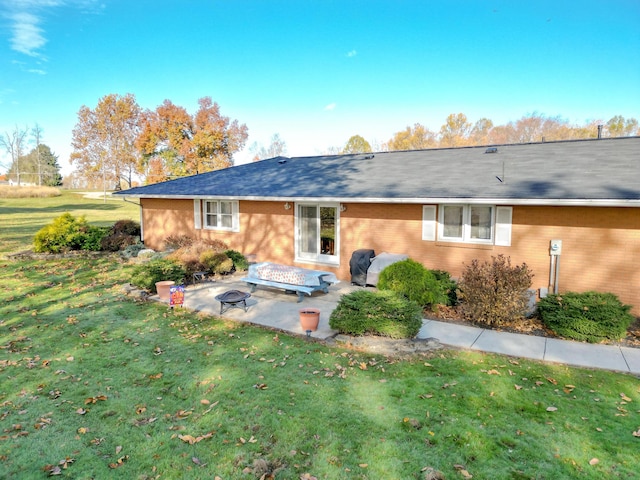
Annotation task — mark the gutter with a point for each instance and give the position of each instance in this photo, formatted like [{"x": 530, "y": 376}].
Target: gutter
[{"x": 551, "y": 202}]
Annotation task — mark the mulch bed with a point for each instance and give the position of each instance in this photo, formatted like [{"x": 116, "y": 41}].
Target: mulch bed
[{"x": 528, "y": 326}]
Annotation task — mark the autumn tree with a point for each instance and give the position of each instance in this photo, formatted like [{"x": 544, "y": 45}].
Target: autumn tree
[
  {"x": 618, "y": 126},
  {"x": 415, "y": 138},
  {"x": 103, "y": 140},
  {"x": 40, "y": 166},
  {"x": 455, "y": 131},
  {"x": 357, "y": 144},
  {"x": 480, "y": 132},
  {"x": 187, "y": 144},
  {"x": 276, "y": 148},
  {"x": 14, "y": 144}
]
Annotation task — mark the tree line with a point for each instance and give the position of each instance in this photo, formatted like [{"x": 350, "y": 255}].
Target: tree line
[
  {"x": 39, "y": 166},
  {"x": 458, "y": 131}
]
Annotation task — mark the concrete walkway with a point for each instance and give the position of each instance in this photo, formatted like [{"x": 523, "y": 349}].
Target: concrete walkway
[{"x": 277, "y": 309}]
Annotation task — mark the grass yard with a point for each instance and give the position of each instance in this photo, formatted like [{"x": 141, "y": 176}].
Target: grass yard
[
  {"x": 96, "y": 385},
  {"x": 22, "y": 217}
]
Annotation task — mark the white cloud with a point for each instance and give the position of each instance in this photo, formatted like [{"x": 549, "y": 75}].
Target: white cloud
[
  {"x": 330, "y": 107},
  {"x": 27, "y": 35},
  {"x": 352, "y": 53},
  {"x": 26, "y": 18}
]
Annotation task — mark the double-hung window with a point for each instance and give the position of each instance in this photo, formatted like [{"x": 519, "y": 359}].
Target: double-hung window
[
  {"x": 317, "y": 227},
  {"x": 221, "y": 215},
  {"x": 465, "y": 223}
]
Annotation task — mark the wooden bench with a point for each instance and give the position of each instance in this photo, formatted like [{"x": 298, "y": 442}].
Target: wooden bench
[{"x": 319, "y": 280}]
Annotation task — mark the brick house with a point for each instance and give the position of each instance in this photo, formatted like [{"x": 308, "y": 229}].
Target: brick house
[{"x": 442, "y": 207}]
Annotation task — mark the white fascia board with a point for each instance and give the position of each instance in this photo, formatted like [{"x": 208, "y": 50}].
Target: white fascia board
[{"x": 550, "y": 202}]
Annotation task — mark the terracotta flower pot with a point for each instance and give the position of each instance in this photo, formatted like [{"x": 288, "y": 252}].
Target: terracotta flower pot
[
  {"x": 309, "y": 319},
  {"x": 163, "y": 288}
]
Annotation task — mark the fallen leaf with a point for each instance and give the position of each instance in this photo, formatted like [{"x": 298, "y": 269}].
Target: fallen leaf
[
  {"x": 625, "y": 398},
  {"x": 204, "y": 401},
  {"x": 518, "y": 387},
  {"x": 493, "y": 372},
  {"x": 82, "y": 430},
  {"x": 594, "y": 461},
  {"x": 197, "y": 461},
  {"x": 463, "y": 471},
  {"x": 81, "y": 411},
  {"x": 363, "y": 465},
  {"x": 552, "y": 409},
  {"x": 636, "y": 433},
  {"x": 119, "y": 463},
  {"x": 118, "y": 449}
]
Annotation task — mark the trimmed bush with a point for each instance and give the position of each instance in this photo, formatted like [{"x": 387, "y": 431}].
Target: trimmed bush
[
  {"x": 414, "y": 281},
  {"x": 494, "y": 293},
  {"x": 240, "y": 262},
  {"x": 63, "y": 234},
  {"x": 383, "y": 313},
  {"x": 147, "y": 274},
  {"x": 589, "y": 316}
]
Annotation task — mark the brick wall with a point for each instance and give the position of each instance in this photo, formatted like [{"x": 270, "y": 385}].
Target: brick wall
[{"x": 601, "y": 246}]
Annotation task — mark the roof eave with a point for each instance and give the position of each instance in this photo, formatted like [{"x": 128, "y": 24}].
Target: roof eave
[{"x": 566, "y": 202}]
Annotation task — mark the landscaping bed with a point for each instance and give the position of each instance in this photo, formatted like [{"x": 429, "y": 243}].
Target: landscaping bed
[{"x": 526, "y": 326}]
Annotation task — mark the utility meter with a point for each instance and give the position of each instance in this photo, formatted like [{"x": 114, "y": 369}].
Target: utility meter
[{"x": 556, "y": 247}]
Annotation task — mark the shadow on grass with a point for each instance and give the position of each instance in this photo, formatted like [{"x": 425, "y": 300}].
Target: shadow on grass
[{"x": 67, "y": 207}]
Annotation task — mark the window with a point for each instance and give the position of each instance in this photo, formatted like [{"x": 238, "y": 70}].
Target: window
[
  {"x": 484, "y": 224},
  {"x": 221, "y": 215},
  {"x": 317, "y": 233},
  {"x": 466, "y": 223}
]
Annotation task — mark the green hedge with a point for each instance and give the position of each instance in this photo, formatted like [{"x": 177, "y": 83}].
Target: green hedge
[
  {"x": 589, "y": 316},
  {"x": 414, "y": 281},
  {"x": 383, "y": 313}
]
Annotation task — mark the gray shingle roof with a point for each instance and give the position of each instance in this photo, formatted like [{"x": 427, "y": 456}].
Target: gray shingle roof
[{"x": 584, "y": 171}]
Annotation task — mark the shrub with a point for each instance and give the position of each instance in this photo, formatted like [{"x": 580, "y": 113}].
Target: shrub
[
  {"x": 174, "y": 242},
  {"x": 414, "y": 281},
  {"x": 383, "y": 313},
  {"x": 147, "y": 274},
  {"x": 93, "y": 238},
  {"x": 449, "y": 286},
  {"x": 114, "y": 242},
  {"x": 126, "y": 227},
  {"x": 65, "y": 233},
  {"x": 494, "y": 293},
  {"x": 240, "y": 262},
  {"x": 589, "y": 316},
  {"x": 132, "y": 251},
  {"x": 217, "y": 262}
]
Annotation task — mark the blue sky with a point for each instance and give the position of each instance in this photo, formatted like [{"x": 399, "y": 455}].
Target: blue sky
[{"x": 318, "y": 72}]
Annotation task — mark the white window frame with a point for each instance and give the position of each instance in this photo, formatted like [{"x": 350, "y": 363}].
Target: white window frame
[
  {"x": 235, "y": 220},
  {"x": 500, "y": 232},
  {"x": 319, "y": 257}
]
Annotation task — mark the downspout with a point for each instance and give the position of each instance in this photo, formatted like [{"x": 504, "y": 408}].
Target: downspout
[{"x": 141, "y": 224}]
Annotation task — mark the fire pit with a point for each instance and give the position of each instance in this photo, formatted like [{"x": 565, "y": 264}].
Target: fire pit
[{"x": 232, "y": 299}]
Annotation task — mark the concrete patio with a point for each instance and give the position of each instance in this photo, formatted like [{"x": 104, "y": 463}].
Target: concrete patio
[{"x": 278, "y": 309}]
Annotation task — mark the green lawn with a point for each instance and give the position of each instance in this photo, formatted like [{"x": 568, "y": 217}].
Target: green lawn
[
  {"x": 22, "y": 217},
  {"x": 95, "y": 385}
]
